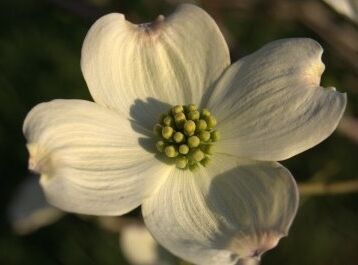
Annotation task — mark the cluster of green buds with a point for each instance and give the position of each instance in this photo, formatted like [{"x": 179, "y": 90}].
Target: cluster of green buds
[{"x": 187, "y": 135}]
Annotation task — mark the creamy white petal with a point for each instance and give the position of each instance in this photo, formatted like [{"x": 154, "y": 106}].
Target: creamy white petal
[
  {"x": 140, "y": 248},
  {"x": 172, "y": 60},
  {"x": 29, "y": 210},
  {"x": 90, "y": 159},
  {"x": 270, "y": 105},
  {"x": 232, "y": 209}
]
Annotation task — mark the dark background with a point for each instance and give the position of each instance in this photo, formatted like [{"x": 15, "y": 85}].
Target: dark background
[{"x": 40, "y": 44}]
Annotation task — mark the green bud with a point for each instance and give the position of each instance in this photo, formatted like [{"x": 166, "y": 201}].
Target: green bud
[
  {"x": 193, "y": 141},
  {"x": 205, "y": 161},
  {"x": 181, "y": 162},
  {"x": 180, "y": 116},
  {"x": 207, "y": 148},
  {"x": 201, "y": 125},
  {"x": 180, "y": 119},
  {"x": 194, "y": 115},
  {"x": 183, "y": 149},
  {"x": 204, "y": 136},
  {"x": 191, "y": 162},
  {"x": 168, "y": 120},
  {"x": 205, "y": 113},
  {"x": 192, "y": 107},
  {"x": 189, "y": 127},
  {"x": 178, "y": 137},
  {"x": 167, "y": 132},
  {"x": 187, "y": 136},
  {"x": 160, "y": 145},
  {"x": 177, "y": 109},
  {"x": 170, "y": 151},
  {"x": 215, "y": 136},
  {"x": 193, "y": 166},
  {"x": 211, "y": 122},
  {"x": 198, "y": 155}
]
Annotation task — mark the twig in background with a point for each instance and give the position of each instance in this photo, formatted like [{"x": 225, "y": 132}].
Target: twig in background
[
  {"x": 335, "y": 188},
  {"x": 342, "y": 37}
]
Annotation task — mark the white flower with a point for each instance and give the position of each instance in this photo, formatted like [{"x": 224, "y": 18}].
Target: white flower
[
  {"x": 99, "y": 158},
  {"x": 348, "y": 8}
]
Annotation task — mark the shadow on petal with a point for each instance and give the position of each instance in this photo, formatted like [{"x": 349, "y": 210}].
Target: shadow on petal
[
  {"x": 256, "y": 206},
  {"x": 144, "y": 114}
]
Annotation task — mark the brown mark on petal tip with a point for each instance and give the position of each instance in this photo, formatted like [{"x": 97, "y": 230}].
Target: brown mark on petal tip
[
  {"x": 254, "y": 246},
  {"x": 152, "y": 26},
  {"x": 33, "y": 164},
  {"x": 312, "y": 74},
  {"x": 39, "y": 162}
]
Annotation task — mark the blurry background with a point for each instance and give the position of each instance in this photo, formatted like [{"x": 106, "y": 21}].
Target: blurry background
[{"x": 40, "y": 44}]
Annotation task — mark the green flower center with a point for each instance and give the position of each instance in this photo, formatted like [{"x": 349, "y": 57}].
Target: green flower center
[{"x": 186, "y": 136}]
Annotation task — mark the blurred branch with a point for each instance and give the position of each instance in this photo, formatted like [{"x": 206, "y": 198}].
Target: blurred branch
[
  {"x": 335, "y": 188},
  {"x": 342, "y": 37}
]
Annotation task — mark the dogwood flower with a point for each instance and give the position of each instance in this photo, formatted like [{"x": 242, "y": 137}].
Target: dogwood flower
[{"x": 206, "y": 177}]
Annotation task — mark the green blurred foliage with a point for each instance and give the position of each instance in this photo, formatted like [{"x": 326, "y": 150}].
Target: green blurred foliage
[{"x": 40, "y": 45}]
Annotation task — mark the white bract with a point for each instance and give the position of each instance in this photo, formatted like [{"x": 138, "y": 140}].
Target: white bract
[{"x": 100, "y": 158}]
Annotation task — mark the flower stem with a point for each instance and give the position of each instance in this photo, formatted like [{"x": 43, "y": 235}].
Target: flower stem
[{"x": 322, "y": 188}]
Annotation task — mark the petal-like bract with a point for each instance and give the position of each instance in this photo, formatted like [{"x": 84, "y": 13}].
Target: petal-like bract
[
  {"x": 89, "y": 158},
  {"x": 270, "y": 105},
  {"x": 174, "y": 60},
  {"x": 229, "y": 210}
]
